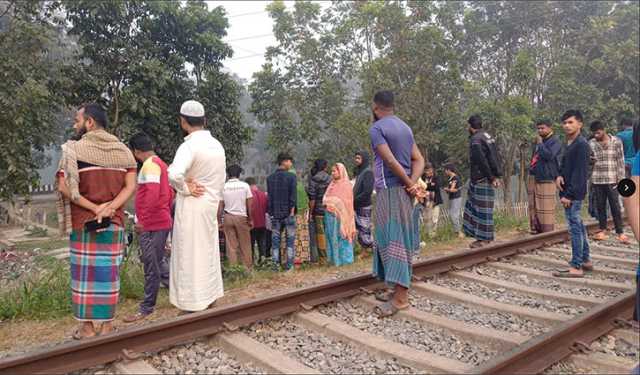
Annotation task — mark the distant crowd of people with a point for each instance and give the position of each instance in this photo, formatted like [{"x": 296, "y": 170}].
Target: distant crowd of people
[{"x": 198, "y": 199}]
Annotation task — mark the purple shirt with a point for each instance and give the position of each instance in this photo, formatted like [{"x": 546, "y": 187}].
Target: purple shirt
[{"x": 398, "y": 136}]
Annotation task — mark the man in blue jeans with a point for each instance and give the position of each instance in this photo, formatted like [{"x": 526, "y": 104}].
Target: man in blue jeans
[
  {"x": 281, "y": 189},
  {"x": 572, "y": 184}
]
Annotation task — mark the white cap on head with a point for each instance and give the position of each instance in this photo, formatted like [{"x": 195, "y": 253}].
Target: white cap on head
[{"x": 192, "y": 108}]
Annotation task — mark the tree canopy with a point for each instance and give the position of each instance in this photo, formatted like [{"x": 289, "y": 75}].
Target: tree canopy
[
  {"x": 510, "y": 61},
  {"x": 139, "y": 59}
]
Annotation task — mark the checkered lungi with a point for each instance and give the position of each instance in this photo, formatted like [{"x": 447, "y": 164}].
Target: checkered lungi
[
  {"x": 478, "y": 211},
  {"x": 95, "y": 272},
  {"x": 397, "y": 236},
  {"x": 542, "y": 205}
]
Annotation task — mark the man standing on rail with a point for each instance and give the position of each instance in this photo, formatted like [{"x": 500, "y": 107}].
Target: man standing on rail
[
  {"x": 485, "y": 173},
  {"x": 543, "y": 171},
  {"x": 398, "y": 166},
  {"x": 572, "y": 183},
  {"x": 608, "y": 170},
  {"x": 97, "y": 175},
  {"x": 154, "y": 198},
  {"x": 198, "y": 175}
]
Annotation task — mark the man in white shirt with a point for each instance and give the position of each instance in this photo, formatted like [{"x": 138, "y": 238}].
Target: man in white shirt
[
  {"x": 198, "y": 175},
  {"x": 236, "y": 208}
]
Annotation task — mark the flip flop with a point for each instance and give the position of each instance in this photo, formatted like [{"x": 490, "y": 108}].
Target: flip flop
[
  {"x": 567, "y": 275},
  {"x": 388, "y": 309},
  {"x": 78, "y": 336},
  {"x": 384, "y": 296},
  {"x": 587, "y": 268}
]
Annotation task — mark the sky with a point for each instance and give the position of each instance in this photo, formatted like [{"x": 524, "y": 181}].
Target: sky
[{"x": 250, "y": 33}]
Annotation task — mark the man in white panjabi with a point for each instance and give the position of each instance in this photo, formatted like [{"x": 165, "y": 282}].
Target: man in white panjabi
[{"x": 198, "y": 175}]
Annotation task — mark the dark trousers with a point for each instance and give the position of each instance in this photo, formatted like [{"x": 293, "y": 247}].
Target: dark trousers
[
  {"x": 604, "y": 193},
  {"x": 151, "y": 256},
  {"x": 259, "y": 240}
]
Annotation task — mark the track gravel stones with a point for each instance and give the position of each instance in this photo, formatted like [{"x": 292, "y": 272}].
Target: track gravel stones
[
  {"x": 321, "y": 352},
  {"x": 410, "y": 333},
  {"x": 468, "y": 314},
  {"x": 199, "y": 358},
  {"x": 98, "y": 370},
  {"x": 551, "y": 268},
  {"x": 504, "y": 295},
  {"x": 596, "y": 262},
  {"x": 611, "y": 253},
  {"x": 566, "y": 368},
  {"x": 551, "y": 284},
  {"x": 617, "y": 347}
]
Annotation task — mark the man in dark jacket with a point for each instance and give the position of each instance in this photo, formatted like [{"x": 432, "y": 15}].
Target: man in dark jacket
[
  {"x": 281, "y": 193},
  {"x": 572, "y": 183},
  {"x": 362, "y": 191},
  {"x": 318, "y": 183},
  {"x": 543, "y": 171},
  {"x": 485, "y": 174}
]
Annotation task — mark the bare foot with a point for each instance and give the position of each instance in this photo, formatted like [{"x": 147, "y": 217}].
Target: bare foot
[{"x": 107, "y": 328}]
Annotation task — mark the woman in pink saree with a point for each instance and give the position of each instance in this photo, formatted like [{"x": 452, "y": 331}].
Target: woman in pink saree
[{"x": 339, "y": 217}]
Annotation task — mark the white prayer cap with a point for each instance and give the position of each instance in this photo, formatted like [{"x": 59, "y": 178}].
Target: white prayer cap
[{"x": 192, "y": 108}]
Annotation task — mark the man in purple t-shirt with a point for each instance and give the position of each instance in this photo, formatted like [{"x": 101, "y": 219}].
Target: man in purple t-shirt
[{"x": 398, "y": 165}]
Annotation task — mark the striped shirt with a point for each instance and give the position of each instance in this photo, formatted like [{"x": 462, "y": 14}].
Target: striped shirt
[{"x": 609, "y": 161}]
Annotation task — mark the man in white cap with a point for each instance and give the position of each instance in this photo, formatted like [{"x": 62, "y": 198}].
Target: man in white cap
[{"x": 198, "y": 175}]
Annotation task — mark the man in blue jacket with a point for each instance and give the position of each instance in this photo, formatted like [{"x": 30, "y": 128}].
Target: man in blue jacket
[
  {"x": 543, "y": 171},
  {"x": 281, "y": 206},
  {"x": 572, "y": 183}
]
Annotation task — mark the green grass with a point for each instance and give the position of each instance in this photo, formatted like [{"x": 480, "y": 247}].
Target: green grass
[
  {"x": 45, "y": 296},
  {"x": 505, "y": 221},
  {"x": 48, "y": 295}
]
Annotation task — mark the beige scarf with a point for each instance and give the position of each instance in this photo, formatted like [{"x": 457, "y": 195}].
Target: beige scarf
[{"x": 97, "y": 148}]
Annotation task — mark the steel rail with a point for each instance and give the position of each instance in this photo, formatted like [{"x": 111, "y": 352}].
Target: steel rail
[
  {"x": 575, "y": 335},
  {"x": 99, "y": 350}
]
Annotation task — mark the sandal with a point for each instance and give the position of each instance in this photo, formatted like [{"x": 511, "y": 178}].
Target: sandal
[
  {"x": 623, "y": 238},
  {"x": 567, "y": 274},
  {"x": 600, "y": 236},
  {"x": 475, "y": 244},
  {"x": 587, "y": 268},
  {"x": 388, "y": 309},
  {"x": 384, "y": 296},
  {"x": 135, "y": 317},
  {"x": 79, "y": 336}
]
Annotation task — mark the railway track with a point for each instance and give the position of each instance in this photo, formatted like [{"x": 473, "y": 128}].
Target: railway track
[{"x": 490, "y": 310}]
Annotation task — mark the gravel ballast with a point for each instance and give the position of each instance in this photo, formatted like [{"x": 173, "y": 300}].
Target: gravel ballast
[
  {"x": 551, "y": 268},
  {"x": 458, "y": 311},
  {"x": 408, "y": 332},
  {"x": 321, "y": 352},
  {"x": 595, "y": 250},
  {"x": 199, "y": 358},
  {"x": 97, "y": 370},
  {"x": 504, "y": 295},
  {"x": 596, "y": 262},
  {"x": 617, "y": 347},
  {"x": 551, "y": 285}
]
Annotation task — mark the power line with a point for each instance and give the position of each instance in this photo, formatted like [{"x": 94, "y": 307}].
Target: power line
[
  {"x": 246, "y": 14},
  {"x": 245, "y": 50},
  {"x": 249, "y": 37},
  {"x": 246, "y": 57}
]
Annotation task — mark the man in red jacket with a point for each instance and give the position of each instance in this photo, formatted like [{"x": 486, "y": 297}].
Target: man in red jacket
[{"x": 153, "y": 211}]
